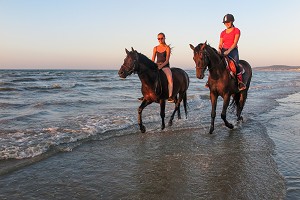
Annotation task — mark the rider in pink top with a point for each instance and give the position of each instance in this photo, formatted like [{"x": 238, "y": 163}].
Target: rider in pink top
[
  {"x": 228, "y": 45},
  {"x": 228, "y": 38}
]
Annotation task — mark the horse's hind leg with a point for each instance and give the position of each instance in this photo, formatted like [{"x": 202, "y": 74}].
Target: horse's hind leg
[
  {"x": 162, "y": 113},
  {"x": 240, "y": 105},
  {"x": 177, "y": 108},
  {"x": 140, "y": 110},
  {"x": 178, "y": 111},
  {"x": 224, "y": 110}
]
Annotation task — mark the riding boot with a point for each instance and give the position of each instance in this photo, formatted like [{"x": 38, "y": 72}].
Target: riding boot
[
  {"x": 170, "y": 88},
  {"x": 241, "y": 84}
]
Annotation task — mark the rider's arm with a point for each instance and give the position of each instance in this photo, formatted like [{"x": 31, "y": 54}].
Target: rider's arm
[{"x": 154, "y": 54}]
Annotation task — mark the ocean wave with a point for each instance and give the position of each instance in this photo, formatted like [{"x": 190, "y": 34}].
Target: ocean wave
[
  {"x": 51, "y": 87},
  {"x": 25, "y": 80},
  {"x": 13, "y": 105},
  {"x": 30, "y": 143},
  {"x": 8, "y": 89}
]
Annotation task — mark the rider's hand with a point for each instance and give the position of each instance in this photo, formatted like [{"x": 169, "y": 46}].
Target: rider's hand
[{"x": 226, "y": 52}]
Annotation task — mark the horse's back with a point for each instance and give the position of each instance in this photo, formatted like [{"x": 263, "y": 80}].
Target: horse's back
[
  {"x": 248, "y": 71},
  {"x": 180, "y": 76}
]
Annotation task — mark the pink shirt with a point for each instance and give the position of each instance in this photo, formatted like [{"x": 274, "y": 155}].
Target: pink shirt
[{"x": 228, "y": 38}]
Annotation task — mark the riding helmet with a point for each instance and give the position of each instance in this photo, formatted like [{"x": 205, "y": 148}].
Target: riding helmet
[{"x": 228, "y": 18}]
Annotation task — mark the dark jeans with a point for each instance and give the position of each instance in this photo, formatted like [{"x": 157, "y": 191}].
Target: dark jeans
[{"x": 235, "y": 55}]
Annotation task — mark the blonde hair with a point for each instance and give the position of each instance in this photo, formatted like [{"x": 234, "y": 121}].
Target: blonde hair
[{"x": 169, "y": 45}]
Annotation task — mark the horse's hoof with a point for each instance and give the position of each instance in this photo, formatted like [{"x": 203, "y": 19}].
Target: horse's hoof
[
  {"x": 230, "y": 126},
  {"x": 240, "y": 119},
  {"x": 170, "y": 123},
  {"x": 211, "y": 130},
  {"x": 163, "y": 127},
  {"x": 143, "y": 129}
]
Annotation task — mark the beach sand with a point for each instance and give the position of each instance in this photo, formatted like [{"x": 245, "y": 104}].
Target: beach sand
[{"x": 186, "y": 163}]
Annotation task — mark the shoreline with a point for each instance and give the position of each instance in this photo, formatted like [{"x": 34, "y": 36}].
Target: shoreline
[{"x": 186, "y": 163}]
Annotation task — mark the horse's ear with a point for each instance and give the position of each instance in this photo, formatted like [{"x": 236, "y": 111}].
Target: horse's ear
[
  {"x": 127, "y": 52},
  {"x": 136, "y": 55},
  {"x": 132, "y": 49},
  {"x": 192, "y": 47},
  {"x": 205, "y": 42}
]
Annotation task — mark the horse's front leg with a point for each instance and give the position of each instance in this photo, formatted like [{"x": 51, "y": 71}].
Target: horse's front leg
[
  {"x": 162, "y": 103},
  {"x": 177, "y": 108},
  {"x": 140, "y": 110},
  {"x": 224, "y": 110},
  {"x": 213, "y": 99}
]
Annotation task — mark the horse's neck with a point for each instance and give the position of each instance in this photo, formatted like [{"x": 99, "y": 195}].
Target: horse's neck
[
  {"x": 217, "y": 68},
  {"x": 146, "y": 75}
]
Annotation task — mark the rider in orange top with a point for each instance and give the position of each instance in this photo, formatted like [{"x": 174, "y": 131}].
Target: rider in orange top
[{"x": 228, "y": 45}]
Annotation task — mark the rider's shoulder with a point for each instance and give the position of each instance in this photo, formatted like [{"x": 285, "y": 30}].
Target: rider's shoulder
[{"x": 237, "y": 30}]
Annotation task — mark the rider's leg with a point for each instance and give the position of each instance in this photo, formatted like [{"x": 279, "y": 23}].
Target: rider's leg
[
  {"x": 235, "y": 55},
  {"x": 168, "y": 73}
]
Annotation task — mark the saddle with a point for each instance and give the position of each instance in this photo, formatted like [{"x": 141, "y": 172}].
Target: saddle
[{"x": 231, "y": 66}]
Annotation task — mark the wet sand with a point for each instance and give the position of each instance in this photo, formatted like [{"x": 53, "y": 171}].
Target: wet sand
[{"x": 185, "y": 163}]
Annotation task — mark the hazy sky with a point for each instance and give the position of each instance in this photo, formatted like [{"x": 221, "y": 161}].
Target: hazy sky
[{"x": 93, "y": 34}]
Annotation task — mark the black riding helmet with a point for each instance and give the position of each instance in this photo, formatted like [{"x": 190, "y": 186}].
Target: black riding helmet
[{"x": 228, "y": 18}]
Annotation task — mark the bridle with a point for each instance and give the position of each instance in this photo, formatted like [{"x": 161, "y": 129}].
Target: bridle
[
  {"x": 133, "y": 67},
  {"x": 204, "y": 56}
]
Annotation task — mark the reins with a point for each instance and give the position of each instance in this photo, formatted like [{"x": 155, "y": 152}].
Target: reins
[
  {"x": 157, "y": 82},
  {"x": 134, "y": 67},
  {"x": 206, "y": 56}
]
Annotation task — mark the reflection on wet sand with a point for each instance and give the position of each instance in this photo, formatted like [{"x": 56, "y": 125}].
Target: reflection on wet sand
[{"x": 184, "y": 164}]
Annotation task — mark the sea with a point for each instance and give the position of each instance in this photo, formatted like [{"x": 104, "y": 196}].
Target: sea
[{"x": 45, "y": 113}]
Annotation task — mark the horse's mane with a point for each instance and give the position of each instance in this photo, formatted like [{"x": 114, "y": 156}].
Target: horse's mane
[
  {"x": 145, "y": 60},
  {"x": 211, "y": 50}
]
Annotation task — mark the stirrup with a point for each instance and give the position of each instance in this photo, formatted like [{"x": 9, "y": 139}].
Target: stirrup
[
  {"x": 241, "y": 86},
  {"x": 206, "y": 85},
  {"x": 171, "y": 100}
]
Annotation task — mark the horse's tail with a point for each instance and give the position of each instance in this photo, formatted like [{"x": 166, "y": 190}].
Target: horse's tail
[
  {"x": 235, "y": 101},
  {"x": 185, "y": 94},
  {"x": 184, "y": 98}
]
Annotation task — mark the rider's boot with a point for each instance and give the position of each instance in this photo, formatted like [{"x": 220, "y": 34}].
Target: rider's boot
[
  {"x": 241, "y": 84},
  {"x": 170, "y": 89}
]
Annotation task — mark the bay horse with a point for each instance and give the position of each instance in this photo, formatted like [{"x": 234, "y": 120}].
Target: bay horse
[
  {"x": 220, "y": 82},
  {"x": 155, "y": 84}
]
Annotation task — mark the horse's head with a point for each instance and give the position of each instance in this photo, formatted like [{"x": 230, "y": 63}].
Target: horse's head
[
  {"x": 201, "y": 59},
  {"x": 130, "y": 63}
]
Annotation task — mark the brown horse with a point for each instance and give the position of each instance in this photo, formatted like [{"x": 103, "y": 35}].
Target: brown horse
[
  {"x": 220, "y": 81},
  {"x": 155, "y": 84}
]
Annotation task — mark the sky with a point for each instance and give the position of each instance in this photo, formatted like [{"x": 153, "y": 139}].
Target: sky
[{"x": 93, "y": 34}]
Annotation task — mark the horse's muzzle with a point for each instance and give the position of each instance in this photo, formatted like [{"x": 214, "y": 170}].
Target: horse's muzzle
[
  {"x": 122, "y": 73},
  {"x": 200, "y": 76}
]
